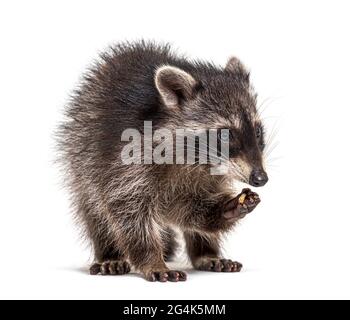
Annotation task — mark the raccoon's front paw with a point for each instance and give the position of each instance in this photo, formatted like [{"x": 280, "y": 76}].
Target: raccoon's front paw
[
  {"x": 164, "y": 276},
  {"x": 117, "y": 267},
  {"x": 243, "y": 204},
  {"x": 217, "y": 265}
]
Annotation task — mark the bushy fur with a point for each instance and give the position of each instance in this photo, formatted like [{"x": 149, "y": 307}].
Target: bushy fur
[{"x": 128, "y": 211}]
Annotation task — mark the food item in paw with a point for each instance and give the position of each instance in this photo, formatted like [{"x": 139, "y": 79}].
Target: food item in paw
[{"x": 242, "y": 198}]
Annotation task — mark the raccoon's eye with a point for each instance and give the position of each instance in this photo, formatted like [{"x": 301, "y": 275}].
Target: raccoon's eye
[
  {"x": 259, "y": 136},
  {"x": 258, "y": 132}
]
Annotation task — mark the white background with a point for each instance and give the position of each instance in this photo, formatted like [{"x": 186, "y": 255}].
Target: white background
[{"x": 295, "y": 245}]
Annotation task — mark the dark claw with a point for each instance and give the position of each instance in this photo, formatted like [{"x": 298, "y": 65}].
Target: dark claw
[{"x": 237, "y": 267}]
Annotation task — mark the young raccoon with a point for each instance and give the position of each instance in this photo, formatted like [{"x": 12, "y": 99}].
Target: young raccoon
[{"x": 129, "y": 211}]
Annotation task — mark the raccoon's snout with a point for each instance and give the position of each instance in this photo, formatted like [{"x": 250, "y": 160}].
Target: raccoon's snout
[{"x": 258, "y": 178}]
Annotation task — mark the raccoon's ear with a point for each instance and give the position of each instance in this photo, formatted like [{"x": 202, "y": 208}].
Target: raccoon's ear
[
  {"x": 174, "y": 85},
  {"x": 236, "y": 66}
]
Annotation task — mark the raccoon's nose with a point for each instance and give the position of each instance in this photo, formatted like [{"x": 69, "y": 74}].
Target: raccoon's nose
[{"x": 258, "y": 178}]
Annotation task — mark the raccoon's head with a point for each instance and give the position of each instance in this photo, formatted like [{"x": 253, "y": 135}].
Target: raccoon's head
[{"x": 206, "y": 97}]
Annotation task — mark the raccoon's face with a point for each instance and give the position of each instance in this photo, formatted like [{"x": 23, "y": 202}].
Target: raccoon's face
[
  {"x": 211, "y": 98},
  {"x": 246, "y": 147}
]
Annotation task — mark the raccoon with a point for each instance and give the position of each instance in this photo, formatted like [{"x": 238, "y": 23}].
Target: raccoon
[{"x": 129, "y": 212}]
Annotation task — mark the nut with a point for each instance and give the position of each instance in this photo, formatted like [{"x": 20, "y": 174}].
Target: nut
[{"x": 242, "y": 198}]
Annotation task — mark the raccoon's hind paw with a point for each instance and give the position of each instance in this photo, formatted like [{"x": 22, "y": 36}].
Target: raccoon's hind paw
[
  {"x": 217, "y": 265},
  {"x": 165, "y": 276},
  {"x": 243, "y": 204},
  {"x": 117, "y": 267}
]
